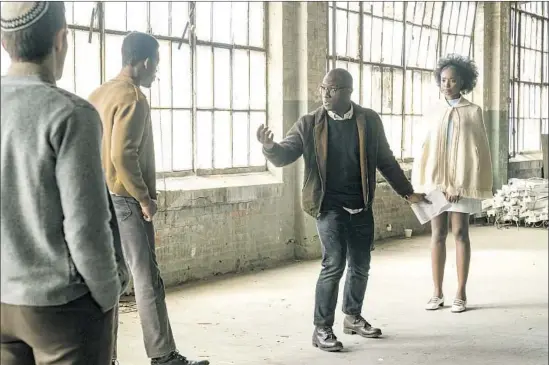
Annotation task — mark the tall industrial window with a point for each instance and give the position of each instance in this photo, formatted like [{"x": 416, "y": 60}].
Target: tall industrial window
[
  {"x": 529, "y": 76},
  {"x": 211, "y": 93},
  {"x": 391, "y": 49}
]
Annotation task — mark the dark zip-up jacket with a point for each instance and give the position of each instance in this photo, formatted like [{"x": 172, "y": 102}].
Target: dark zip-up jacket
[{"x": 309, "y": 137}]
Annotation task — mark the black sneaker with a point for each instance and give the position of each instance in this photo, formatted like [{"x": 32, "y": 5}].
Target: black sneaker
[{"x": 176, "y": 359}]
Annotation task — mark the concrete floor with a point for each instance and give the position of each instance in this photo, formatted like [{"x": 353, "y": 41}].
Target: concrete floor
[{"x": 266, "y": 318}]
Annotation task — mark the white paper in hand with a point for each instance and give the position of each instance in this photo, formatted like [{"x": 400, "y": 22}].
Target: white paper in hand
[{"x": 425, "y": 212}]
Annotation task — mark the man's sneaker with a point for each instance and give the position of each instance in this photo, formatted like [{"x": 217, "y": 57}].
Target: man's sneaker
[{"x": 176, "y": 359}]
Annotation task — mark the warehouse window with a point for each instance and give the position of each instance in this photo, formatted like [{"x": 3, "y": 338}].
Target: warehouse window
[
  {"x": 211, "y": 93},
  {"x": 391, "y": 49},
  {"x": 529, "y": 76}
]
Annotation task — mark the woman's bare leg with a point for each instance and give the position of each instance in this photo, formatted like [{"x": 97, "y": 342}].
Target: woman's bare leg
[
  {"x": 439, "y": 231},
  {"x": 460, "y": 230}
]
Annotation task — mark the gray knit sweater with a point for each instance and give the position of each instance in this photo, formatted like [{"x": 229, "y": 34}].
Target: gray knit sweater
[{"x": 56, "y": 242}]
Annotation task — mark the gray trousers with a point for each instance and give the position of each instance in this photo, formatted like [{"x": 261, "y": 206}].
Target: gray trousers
[{"x": 137, "y": 236}]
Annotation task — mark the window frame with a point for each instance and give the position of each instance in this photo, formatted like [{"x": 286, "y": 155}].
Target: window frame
[
  {"x": 97, "y": 27},
  {"x": 517, "y": 13},
  {"x": 407, "y": 24}
]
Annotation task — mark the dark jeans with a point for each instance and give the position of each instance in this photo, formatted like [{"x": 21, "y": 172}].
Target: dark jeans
[
  {"x": 75, "y": 333},
  {"x": 138, "y": 244},
  {"x": 344, "y": 237}
]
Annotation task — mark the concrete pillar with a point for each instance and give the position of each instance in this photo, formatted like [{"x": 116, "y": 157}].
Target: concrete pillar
[
  {"x": 298, "y": 40},
  {"x": 312, "y": 43},
  {"x": 491, "y": 52}
]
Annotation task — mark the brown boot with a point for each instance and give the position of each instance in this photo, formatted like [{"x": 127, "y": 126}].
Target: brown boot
[{"x": 357, "y": 325}]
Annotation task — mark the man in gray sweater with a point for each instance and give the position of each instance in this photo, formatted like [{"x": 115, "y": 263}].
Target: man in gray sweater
[{"x": 60, "y": 242}]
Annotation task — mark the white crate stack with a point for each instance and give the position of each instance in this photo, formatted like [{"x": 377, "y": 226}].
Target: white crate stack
[{"x": 521, "y": 202}]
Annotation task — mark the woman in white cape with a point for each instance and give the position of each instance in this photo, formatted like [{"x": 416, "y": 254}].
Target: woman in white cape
[{"x": 455, "y": 159}]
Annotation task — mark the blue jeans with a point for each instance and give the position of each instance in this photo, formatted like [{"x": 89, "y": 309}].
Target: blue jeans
[{"x": 345, "y": 238}]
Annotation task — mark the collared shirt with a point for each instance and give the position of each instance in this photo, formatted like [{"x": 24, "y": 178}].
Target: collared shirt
[{"x": 346, "y": 116}]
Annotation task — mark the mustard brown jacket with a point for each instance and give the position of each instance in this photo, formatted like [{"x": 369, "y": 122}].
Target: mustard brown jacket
[{"x": 128, "y": 145}]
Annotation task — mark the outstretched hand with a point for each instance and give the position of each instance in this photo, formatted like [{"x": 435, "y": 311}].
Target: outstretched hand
[
  {"x": 265, "y": 136},
  {"x": 418, "y": 198}
]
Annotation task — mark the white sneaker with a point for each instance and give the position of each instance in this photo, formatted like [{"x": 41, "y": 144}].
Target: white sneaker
[
  {"x": 435, "y": 303},
  {"x": 459, "y": 306}
]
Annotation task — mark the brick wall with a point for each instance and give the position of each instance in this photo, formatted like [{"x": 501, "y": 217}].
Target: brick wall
[
  {"x": 525, "y": 169},
  {"x": 210, "y": 232}
]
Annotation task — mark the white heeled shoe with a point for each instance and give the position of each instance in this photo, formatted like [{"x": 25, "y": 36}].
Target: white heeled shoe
[
  {"x": 435, "y": 303},
  {"x": 459, "y": 306}
]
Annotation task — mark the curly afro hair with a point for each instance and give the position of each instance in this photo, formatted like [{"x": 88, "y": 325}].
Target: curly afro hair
[{"x": 464, "y": 66}]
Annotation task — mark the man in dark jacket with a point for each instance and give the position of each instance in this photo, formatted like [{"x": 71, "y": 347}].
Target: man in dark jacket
[{"x": 342, "y": 144}]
